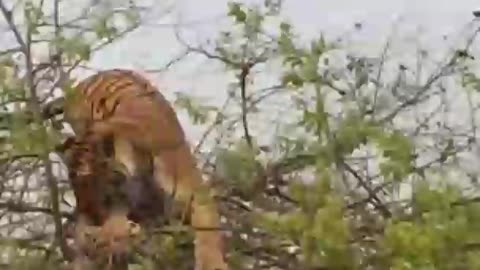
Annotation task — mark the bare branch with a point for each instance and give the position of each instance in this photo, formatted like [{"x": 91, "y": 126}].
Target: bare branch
[
  {"x": 444, "y": 70},
  {"x": 25, "y": 208},
  {"x": 243, "y": 91}
]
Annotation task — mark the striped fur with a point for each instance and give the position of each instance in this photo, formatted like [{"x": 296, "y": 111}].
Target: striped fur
[{"x": 105, "y": 90}]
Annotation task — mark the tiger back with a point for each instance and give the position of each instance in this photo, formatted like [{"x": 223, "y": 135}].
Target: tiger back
[{"x": 127, "y": 104}]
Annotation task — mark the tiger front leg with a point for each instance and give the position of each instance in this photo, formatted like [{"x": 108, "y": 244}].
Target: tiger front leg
[
  {"x": 108, "y": 246},
  {"x": 82, "y": 247},
  {"x": 205, "y": 220},
  {"x": 93, "y": 249},
  {"x": 176, "y": 174}
]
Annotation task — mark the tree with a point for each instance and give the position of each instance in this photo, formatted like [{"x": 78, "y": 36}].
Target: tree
[
  {"x": 355, "y": 174},
  {"x": 361, "y": 166}
]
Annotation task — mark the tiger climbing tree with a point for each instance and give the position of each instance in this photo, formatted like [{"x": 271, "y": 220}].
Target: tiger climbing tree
[{"x": 320, "y": 155}]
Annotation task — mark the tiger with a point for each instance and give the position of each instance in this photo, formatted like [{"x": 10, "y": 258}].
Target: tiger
[{"x": 125, "y": 107}]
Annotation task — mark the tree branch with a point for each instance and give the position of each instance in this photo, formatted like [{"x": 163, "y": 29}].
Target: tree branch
[
  {"x": 243, "y": 91},
  {"x": 7, "y": 14}
]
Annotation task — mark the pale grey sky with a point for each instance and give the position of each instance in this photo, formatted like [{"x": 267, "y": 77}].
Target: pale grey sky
[
  {"x": 424, "y": 21},
  {"x": 436, "y": 17}
]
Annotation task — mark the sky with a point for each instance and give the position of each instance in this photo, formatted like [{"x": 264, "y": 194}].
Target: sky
[
  {"x": 310, "y": 17},
  {"x": 410, "y": 21}
]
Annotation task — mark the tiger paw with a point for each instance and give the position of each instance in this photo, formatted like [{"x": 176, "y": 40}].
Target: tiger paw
[
  {"x": 116, "y": 234},
  {"x": 113, "y": 238}
]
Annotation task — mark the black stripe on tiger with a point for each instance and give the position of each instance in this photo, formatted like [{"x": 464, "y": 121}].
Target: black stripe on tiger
[
  {"x": 107, "y": 104},
  {"x": 104, "y": 93}
]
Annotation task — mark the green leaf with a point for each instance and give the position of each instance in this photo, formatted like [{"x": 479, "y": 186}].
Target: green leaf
[
  {"x": 292, "y": 79},
  {"x": 235, "y": 11},
  {"x": 354, "y": 131},
  {"x": 399, "y": 151},
  {"x": 104, "y": 30},
  {"x": 239, "y": 167},
  {"x": 74, "y": 48},
  {"x": 285, "y": 27},
  {"x": 308, "y": 69}
]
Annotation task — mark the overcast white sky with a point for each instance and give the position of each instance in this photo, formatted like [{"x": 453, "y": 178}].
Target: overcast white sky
[
  {"x": 435, "y": 17},
  {"x": 424, "y": 21}
]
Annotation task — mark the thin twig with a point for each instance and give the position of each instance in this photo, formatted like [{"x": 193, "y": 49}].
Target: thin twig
[
  {"x": 216, "y": 122},
  {"x": 170, "y": 63},
  {"x": 243, "y": 91}
]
